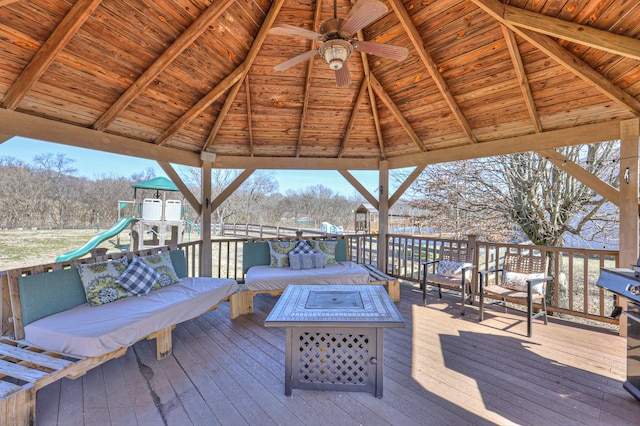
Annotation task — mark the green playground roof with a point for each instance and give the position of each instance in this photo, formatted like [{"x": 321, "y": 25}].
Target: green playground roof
[{"x": 159, "y": 183}]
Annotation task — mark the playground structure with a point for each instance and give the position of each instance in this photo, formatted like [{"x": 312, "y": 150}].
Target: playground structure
[{"x": 156, "y": 222}]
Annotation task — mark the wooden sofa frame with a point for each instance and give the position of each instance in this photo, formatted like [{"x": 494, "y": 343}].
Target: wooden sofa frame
[
  {"x": 242, "y": 301},
  {"x": 32, "y": 368}
]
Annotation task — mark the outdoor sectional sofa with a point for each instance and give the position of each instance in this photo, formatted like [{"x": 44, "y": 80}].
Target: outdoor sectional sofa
[
  {"x": 263, "y": 274},
  {"x": 55, "y": 332}
]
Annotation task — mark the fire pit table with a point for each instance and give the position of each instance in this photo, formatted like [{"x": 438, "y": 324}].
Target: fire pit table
[{"x": 334, "y": 336}]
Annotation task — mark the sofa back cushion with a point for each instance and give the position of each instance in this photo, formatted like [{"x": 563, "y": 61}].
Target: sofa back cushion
[
  {"x": 48, "y": 293},
  {"x": 256, "y": 253},
  {"x": 179, "y": 260}
]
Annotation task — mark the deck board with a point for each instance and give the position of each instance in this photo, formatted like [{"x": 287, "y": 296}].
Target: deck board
[{"x": 442, "y": 369}]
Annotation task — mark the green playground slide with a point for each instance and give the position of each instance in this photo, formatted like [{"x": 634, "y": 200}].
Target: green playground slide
[{"x": 117, "y": 227}]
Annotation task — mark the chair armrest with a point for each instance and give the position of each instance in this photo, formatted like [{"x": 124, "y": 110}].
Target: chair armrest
[
  {"x": 469, "y": 267},
  {"x": 489, "y": 271},
  {"x": 534, "y": 281},
  {"x": 430, "y": 262}
]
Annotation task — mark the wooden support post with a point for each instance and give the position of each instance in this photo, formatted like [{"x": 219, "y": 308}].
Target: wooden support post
[
  {"x": 240, "y": 303},
  {"x": 206, "y": 262},
  {"x": 383, "y": 211},
  {"x": 19, "y": 408},
  {"x": 629, "y": 185},
  {"x": 164, "y": 344}
]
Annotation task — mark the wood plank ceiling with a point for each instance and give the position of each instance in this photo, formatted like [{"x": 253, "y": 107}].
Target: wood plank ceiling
[{"x": 169, "y": 79}]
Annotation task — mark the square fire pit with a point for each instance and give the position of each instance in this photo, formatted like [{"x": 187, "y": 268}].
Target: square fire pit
[{"x": 334, "y": 336}]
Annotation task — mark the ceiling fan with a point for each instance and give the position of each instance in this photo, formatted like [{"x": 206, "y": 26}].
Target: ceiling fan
[{"x": 338, "y": 42}]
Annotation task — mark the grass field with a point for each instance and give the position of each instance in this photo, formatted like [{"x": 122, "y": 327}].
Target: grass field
[{"x": 20, "y": 248}]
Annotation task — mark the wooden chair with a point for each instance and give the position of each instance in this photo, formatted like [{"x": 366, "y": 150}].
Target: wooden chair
[
  {"x": 461, "y": 259},
  {"x": 521, "y": 279}
]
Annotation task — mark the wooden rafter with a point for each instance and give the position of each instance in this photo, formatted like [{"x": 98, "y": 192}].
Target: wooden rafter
[
  {"x": 307, "y": 81},
  {"x": 239, "y": 73},
  {"x": 386, "y": 99},
  {"x": 372, "y": 100},
  {"x": 231, "y": 97},
  {"x": 565, "y": 58},
  {"x": 47, "y": 53},
  {"x": 249, "y": 115},
  {"x": 432, "y": 68},
  {"x": 4, "y": 138},
  {"x": 352, "y": 119},
  {"x": 576, "y": 33},
  {"x": 186, "y": 39},
  {"x": 7, "y": 2},
  {"x": 514, "y": 51}
]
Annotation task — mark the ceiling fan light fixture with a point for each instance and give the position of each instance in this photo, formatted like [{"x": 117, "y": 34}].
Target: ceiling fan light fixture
[{"x": 335, "y": 52}]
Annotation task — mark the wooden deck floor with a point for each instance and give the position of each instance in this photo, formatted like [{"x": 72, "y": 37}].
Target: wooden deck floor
[{"x": 441, "y": 369}]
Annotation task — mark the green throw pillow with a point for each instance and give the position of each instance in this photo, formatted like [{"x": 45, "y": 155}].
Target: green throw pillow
[
  {"x": 279, "y": 253},
  {"x": 99, "y": 281},
  {"x": 326, "y": 247},
  {"x": 161, "y": 262}
]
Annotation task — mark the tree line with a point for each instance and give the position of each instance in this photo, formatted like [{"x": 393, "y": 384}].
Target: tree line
[
  {"x": 46, "y": 194},
  {"x": 519, "y": 197}
]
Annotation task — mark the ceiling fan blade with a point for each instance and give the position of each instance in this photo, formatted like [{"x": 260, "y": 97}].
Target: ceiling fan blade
[
  {"x": 295, "y": 60},
  {"x": 396, "y": 53},
  {"x": 290, "y": 30},
  {"x": 362, "y": 14},
  {"x": 343, "y": 76}
]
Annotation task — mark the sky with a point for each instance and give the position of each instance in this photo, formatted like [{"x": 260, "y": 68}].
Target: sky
[{"x": 96, "y": 164}]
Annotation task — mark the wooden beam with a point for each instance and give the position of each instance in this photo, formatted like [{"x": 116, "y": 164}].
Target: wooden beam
[
  {"x": 230, "y": 189},
  {"x": 184, "y": 40},
  {"x": 249, "y": 114},
  {"x": 4, "y": 138},
  {"x": 307, "y": 80},
  {"x": 372, "y": 98},
  {"x": 358, "y": 187},
  {"x": 523, "y": 81},
  {"x": 432, "y": 68},
  {"x": 405, "y": 185},
  {"x": 588, "y": 179},
  {"x": 294, "y": 163},
  {"x": 354, "y": 115},
  {"x": 565, "y": 58},
  {"x": 239, "y": 73},
  {"x": 184, "y": 189},
  {"x": 589, "y": 133},
  {"x": 7, "y": 2},
  {"x": 47, "y": 53},
  {"x": 386, "y": 99},
  {"x": 231, "y": 97},
  {"x": 582, "y": 34},
  {"x": 30, "y": 126}
]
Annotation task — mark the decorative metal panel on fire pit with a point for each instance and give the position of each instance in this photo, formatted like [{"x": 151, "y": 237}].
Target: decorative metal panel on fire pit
[{"x": 334, "y": 336}]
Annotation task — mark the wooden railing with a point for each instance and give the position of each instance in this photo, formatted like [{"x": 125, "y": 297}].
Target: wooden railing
[{"x": 575, "y": 271}]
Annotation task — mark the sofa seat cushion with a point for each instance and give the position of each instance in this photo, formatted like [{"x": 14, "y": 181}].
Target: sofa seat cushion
[
  {"x": 98, "y": 330},
  {"x": 265, "y": 278}
]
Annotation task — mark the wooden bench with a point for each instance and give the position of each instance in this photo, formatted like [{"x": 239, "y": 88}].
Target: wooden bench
[
  {"x": 256, "y": 253},
  {"x": 25, "y": 367}
]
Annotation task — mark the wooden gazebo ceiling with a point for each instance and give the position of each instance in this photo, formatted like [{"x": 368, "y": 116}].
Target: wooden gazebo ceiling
[{"x": 167, "y": 80}]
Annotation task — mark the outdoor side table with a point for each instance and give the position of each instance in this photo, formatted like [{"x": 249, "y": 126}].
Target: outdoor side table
[{"x": 334, "y": 336}]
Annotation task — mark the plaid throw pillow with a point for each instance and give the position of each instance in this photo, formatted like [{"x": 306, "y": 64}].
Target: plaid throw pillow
[
  {"x": 303, "y": 247},
  {"x": 138, "y": 278}
]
